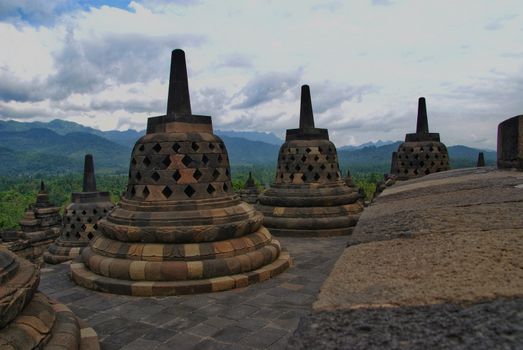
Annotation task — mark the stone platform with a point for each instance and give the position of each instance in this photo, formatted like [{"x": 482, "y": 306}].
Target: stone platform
[
  {"x": 435, "y": 263},
  {"x": 260, "y": 316}
]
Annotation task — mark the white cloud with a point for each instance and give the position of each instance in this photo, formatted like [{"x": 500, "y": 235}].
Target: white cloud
[{"x": 366, "y": 65}]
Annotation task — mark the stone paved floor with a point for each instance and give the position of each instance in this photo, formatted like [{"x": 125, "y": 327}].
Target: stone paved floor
[{"x": 261, "y": 316}]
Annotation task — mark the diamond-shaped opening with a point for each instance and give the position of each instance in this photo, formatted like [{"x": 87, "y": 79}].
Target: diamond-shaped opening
[
  {"x": 176, "y": 147},
  {"x": 431, "y": 148},
  {"x": 291, "y": 177},
  {"x": 416, "y": 172},
  {"x": 68, "y": 219},
  {"x": 133, "y": 191},
  {"x": 281, "y": 176},
  {"x": 211, "y": 146},
  {"x": 133, "y": 161},
  {"x": 416, "y": 156},
  {"x": 138, "y": 176},
  {"x": 220, "y": 158},
  {"x": 283, "y": 158},
  {"x": 310, "y": 167},
  {"x": 84, "y": 212},
  {"x": 222, "y": 146},
  {"x": 167, "y": 161},
  {"x": 189, "y": 191},
  {"x": 427, "y": 156},
  {"x": 83, "y": 227},
  {"x": 186, "y": 160},
  {"x": 316, "y": 158},
  {"x": 90, "y": 235},
  {"x": 95, "y": 211},
  {"x": 215, "y": 174},
  {"x": 194, "y": 146},
  {"x": 327, "y": 157},
  {"x": 329, "y": 176},
  {"x": 167, "y": 192},
  {"x": 157, "y": 148},
  {"x": 303, "y": 159},
  {"x": 320, "y": 150},
  {"x": 146, "y": 161},
  {"x": 105, "y": 210},
  {"x": 89, "y": 220},
  {"x": 225, "y": 187},
  {"x": 78, "y": 235},
  {"x": 197, "y": 174},
  {"x": 210, "y": 189},
  {"x": 308, "y": 150},
  {"x": 427, "y": 171},
  {"x": 287, "y": 167},
  {"x": 227, "y": 172},
  {"x": 141, "y": 148},
  {"x": 330, "y": 149},
  {"x": 205, "y": 160},
  {"x": 95, "y": 226},
  {"x": 67, "y": 234},
  {"x": 332, "y": 166},
  {"x": 303, "y": 177},
  {"x": 297, "y": 167},
  {"x": 72, "y": 226},
  {"x": 145, "y": 192},
  {"x": 317, "y": 176},
  {"x": 422, "y": 163},
  {"x": 432, "y": 164},
  {"x": 443, "y": 156},
  {"x": 78, "y": 219},
  {"x": 177, "y": 176},
  {"x": 155, "y": 176},
  {"x": 322, "y": 167},
  {"x": 405, "y": 171},
  {"x": 436, "y": 156}
]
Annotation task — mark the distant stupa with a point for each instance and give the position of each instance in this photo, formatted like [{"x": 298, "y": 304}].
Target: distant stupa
[
  {"x": 249, "y": 193},
  {"x": 309, "y": 197},
  {"x": 80, "y": 221},
  {"x": 180, "y": 229},
  {"x": 481, "y": 160},
  {"x": 422, "y": 153}
]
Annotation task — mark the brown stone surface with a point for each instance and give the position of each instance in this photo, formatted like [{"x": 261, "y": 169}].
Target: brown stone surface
[
  {"x": 510, "y": 143},
  {"x": 451, "y": 237}
]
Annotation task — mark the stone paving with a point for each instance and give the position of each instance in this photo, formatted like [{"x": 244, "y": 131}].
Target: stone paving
[{"x": 261, "y": 316}]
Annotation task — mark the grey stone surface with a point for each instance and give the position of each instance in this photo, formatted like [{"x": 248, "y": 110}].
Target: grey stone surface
[
  {"x": 490, "y": 325},
  {"x": 260, "y": 316}
]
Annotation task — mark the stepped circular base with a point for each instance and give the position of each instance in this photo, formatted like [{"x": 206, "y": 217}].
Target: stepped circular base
[
  {"x": 44, "y": 323},
  {"x": 84, "y": 277},
  {"x": 57, "y": 254}
]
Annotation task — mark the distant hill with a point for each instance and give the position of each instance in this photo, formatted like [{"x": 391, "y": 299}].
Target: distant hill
[
  {"x": 378, "y": 143},
  {"x": 59, "y": 147},
  {"x": 267, "y": 137}
]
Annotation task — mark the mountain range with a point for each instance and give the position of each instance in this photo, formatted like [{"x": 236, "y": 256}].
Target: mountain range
[{"x": 58, "y": 146}]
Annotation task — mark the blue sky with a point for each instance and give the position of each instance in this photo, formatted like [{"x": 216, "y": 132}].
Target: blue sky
[{"x": 105, "y": 63}]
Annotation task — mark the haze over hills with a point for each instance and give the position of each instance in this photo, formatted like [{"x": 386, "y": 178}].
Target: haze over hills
[{"x": 59, "y": 146}]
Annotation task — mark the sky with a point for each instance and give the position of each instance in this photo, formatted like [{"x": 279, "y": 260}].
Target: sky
[{"x": 105, "y": 64}]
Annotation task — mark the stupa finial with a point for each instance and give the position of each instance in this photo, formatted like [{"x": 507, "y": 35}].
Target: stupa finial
[
  {"x": 306, "y": 116},
  {"x": 178, "y": 101},
  {"x": 422, "y": 125},
  {"x": 481, "y": 160},
  {"x": 42, "y": 186},
  {"x": 89, "y": 178}
]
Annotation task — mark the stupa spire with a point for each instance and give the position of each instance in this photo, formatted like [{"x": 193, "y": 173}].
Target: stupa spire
[
  {"x": 422, "y": 125},
  {"x": 178, "y": 101},
  {"x": 89, "y": 178},
  {"x": 481, "y": 160},
  {"x": 42, "y": 186},
  {"x": 306, "y": 116}
]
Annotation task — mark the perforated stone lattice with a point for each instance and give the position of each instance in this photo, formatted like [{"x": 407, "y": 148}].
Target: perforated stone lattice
[
  {"x": 305, "y": 164},
  {"x": 418, "y": 159},
  {"x": 81, "y": 224},
  {"x": 179, "y": 170}
]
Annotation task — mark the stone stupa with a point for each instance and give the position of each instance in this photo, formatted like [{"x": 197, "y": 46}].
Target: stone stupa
[
  {"x": 422, "y": 153},
  {"x": 309, "y": 197},
  {"x": 180, "y": 229},
  {"x": 249, "y": 193},
  {"x": 28, "y": 319},
  {"x": 80, "y": 220},
  {"x": 39, "y": 227},
  {"x": 481, "y": 160}
]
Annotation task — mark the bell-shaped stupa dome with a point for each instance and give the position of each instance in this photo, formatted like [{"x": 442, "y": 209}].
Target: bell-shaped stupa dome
[{"x": 179, "y": 228}]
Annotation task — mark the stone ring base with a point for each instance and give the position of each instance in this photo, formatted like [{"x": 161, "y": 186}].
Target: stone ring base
[
  {"x": 85, "y": 278},
  {"x": 59, "y": 254}
]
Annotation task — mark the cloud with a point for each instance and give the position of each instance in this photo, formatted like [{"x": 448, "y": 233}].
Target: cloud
[
  {"x": 330, "y": 6},
  {"x": 36, "y": 12},
  {"x": 8, "y": 111},
  {"x": 328, "y": 95},
  {"x": 235, "y": 60},
  {"x": 266, "y": 87},
  {"x": 499, "y": 22},
  {"x": 382, "y": 2}
]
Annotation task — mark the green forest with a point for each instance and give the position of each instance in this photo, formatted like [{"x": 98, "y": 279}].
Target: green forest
[{"x": 17, "y": 193}]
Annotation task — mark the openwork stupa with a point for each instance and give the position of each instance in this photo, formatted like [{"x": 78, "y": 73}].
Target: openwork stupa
[
  {"x": 40, "y": 226},
  {"x": 249, "y": 193},
  {"x": 80, "y": 221},
  {"x": 180, "y": 228},
  {"x": 422, "y": 153},
  {"x": 28, "y": 320},
  {"x": 309, "y": 197}
]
